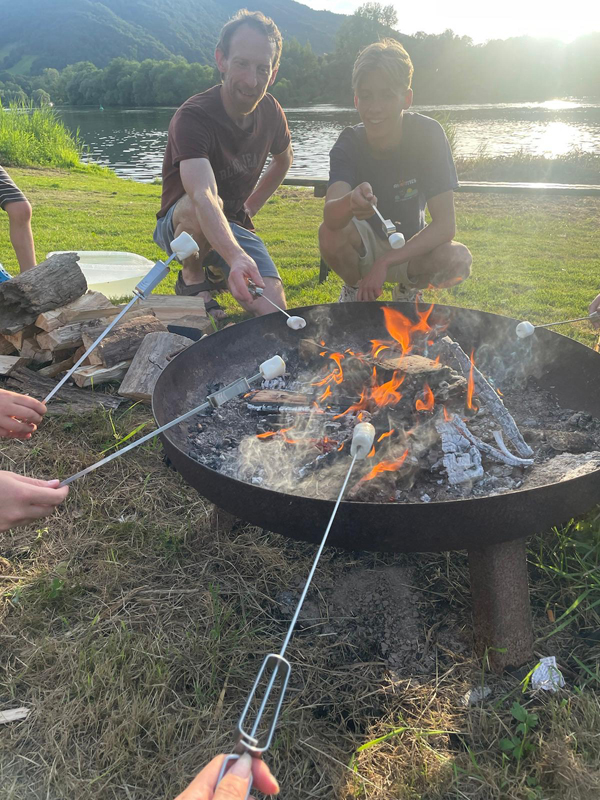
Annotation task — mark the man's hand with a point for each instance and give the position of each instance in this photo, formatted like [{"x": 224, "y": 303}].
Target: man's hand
[
  {"x": 19, "y": 415},
  {"x": 26, "y": 499},
  {"x": 371, "y": 286},
  {"x": 595, "y": 308},
  {"x": 243, "y": 269},
  {"x": 234, "y": 784},
  {"x": 362, "y": 201}
]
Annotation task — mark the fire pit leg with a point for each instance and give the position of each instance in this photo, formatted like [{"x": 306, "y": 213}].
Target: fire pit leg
[{"x": 501, "y": 608}]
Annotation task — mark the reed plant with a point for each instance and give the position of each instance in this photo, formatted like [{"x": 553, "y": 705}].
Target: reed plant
[{"x": 36, "y": 137}]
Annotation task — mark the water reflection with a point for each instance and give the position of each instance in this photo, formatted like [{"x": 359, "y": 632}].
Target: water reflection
[{"x": 132, "y": 141}]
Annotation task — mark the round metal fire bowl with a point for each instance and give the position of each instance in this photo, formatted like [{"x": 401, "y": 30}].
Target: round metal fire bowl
[{"x": 566, "y": 367}]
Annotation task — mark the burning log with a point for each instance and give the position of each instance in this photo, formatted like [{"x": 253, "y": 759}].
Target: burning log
[{"x": 489, "y": 396}]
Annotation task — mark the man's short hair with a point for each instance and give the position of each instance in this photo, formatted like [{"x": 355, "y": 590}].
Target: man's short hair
[
  {"x": 390, "y": 57},
  {"x": 260, "y": 23}
]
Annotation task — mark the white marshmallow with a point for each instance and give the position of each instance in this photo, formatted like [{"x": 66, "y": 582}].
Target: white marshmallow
[
  {"x": 362, "y": 440},
  {"x": 396, "y": 240},
  {"x": 272, "y": 368},
  {"x": 524, "y": 329},
  {"x": 184, "y": 246},
  {"x": 296, "y": 323}
]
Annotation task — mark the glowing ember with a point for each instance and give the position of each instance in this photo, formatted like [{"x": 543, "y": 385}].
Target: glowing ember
[{"x": 427, "y": 403}]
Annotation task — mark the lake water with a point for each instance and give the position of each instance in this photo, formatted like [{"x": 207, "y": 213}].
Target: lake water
[{"x": 132, "y": 141}]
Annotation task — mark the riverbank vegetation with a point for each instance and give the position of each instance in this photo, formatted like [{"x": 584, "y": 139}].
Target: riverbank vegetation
[
  {"x": 32, "y": 136},
  {"x": 132, "y": 621}
]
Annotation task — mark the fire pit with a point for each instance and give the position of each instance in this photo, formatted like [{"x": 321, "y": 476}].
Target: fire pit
[{"x": 492, "y": 528}]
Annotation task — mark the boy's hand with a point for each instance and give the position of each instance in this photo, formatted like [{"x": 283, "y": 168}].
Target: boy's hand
[
  {"x": 27, "y": 499},
  {"x": 19, "y": 415},
  {"x": 362, "y": 201}
]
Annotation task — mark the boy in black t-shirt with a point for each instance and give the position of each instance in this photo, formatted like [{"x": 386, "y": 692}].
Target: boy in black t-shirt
[{"x": 400, "y": 162}]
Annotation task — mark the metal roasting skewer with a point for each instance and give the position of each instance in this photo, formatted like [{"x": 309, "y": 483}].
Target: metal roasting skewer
[
  {"x": 182, "y": 246},
  {"x": 387, "y": 223},
  {"x": 268, "y": 369},
  {"x": 247, "y": 742},
  {"x": 295, "y": 323},
  {"x": 526, "y": 328}
]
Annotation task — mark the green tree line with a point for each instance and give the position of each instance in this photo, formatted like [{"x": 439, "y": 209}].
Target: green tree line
[{"x": 448, "y": 69}]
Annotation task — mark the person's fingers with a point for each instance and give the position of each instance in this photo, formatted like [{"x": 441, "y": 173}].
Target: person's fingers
[
  {"x": 46, "y": 496},
  {"x": 18, "y": 427},
  {"x": 36, "y": 481},
  {"x": 34, "y": 409},
  {"x": 234, "y": 784},
  {"x": 239, "y": 288},
  {"x": 6, "y": 434},
  {"x": 263, "y": 779},
  {"x": 39, "y": 512},
  {"x": 203, "y": 785}
]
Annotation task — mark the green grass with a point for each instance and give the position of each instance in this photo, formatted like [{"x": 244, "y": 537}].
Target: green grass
[{"x": 535, "y": 258}]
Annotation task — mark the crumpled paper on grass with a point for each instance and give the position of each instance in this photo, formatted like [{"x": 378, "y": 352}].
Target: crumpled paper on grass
[{"x": 547, "y": 675}]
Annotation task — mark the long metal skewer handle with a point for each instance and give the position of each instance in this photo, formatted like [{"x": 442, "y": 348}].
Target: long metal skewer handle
[
  {"x": 268, "y": 369},
  {"x": 594, "y": 315},
  {"x": 387, "y": 223},
  {"x": 295, "y": 323},
  {"x": 183, "y": 246},
  {"x": 248, "y": 741}
]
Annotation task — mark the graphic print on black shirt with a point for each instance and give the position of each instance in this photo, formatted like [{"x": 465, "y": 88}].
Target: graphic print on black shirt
[{"x": 418, "y": 168}]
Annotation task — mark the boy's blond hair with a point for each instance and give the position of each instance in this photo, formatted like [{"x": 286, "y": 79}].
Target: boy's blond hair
[{"x": 390, "y": 57}]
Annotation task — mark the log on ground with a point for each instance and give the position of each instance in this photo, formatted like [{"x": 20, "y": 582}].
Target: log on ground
[
  {"x": 123, "y": 342},
  {"x": 156, "y": 351}
]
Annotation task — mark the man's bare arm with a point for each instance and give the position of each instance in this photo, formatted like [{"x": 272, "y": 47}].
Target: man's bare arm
[
  {"x": 200, "y": 185},
  {"x": 342, "y": 203},
  {"x": 270, "y": 181}
]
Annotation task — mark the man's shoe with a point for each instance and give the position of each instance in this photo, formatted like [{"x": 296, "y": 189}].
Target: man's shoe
[
  {"x": 348, "y": 294},
  {"x": 406, "y": 294}
]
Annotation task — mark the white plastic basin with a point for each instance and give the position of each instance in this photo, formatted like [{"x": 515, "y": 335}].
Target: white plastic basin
[{"x": 112, "y": 272}]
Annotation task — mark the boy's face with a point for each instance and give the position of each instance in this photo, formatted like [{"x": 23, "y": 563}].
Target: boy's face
[
  {"x": 380, "y": 105},
  {"x": 247, "y": 69}
]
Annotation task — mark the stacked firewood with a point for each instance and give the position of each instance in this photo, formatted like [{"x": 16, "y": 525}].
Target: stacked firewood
[{"x": 48, "y": 319}]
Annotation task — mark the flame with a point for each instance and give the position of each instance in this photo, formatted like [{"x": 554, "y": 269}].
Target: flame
[
  {"x": 447, "y": 415},
  {"x": 385, "y": 466},
  {"x": 386, "y": 394},
  {"x": 281, "y": 432},
  {"x": 429, "y": 401},
  {"x": 499, "y": 392},
  {"x": 327, "y": 393},
  {"x": 378, "y": 347},
  {"x": 385, "y": 435},
  {"x": 372, "y": 453},
  {"x": 323, "y": 353},
  {"x": 336, "y": 375},
  {"x": 402, "y": 329},
  {"x": 471, "y": 385},
  {"x": 341, "y": 447},
  {"x": 266, "y": 435}
]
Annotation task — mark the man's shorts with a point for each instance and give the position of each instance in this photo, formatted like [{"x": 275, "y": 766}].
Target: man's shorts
[
  {"x": 9, "y": 192},
  {"x": 375, "y": 247},
  {"x": 248, "y": 241}
]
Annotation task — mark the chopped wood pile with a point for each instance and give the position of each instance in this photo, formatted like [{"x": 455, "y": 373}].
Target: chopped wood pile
[{"x": 48, "y": 319}]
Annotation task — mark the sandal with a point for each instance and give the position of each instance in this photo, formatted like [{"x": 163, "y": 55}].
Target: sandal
[{"x": 191, "y": 290}]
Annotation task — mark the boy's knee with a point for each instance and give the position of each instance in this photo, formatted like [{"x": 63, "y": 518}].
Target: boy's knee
[{"x": 19, "y": 213}]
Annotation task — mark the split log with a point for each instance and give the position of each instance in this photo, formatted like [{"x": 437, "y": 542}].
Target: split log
[
  {"x": 67, "y": 400},
  {"x": 122, "y": 342},
  {"x": 9, "y": 364},
  {"x": 197, "y": 321},
  {"x": 17, "y": 339},
  {"x": 488, "y": 395},
  {"x": 53, "y": 283},
  {"x": 52, "y": 370},
  {"x": 170, "y": 308},
  {"x": 6, "y": 348},
  {"x": 90, "y": 306},
  {"x": 155, "y": 352},
  {"x": 69, "y": 336},
  {"x": 95, "y": 376},
  {"x": 34, "y": 353}
]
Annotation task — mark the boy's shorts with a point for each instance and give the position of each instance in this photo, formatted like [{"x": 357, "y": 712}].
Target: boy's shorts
[
  {"x": 9, "y": 191},
  {"x": 247, "y": 240},
  {"x": 375, "y": 247}
]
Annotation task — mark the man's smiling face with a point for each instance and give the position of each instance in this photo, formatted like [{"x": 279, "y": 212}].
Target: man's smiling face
[
  {"x": 247, "y": 70},
  {"x": 380, "y": 106}
]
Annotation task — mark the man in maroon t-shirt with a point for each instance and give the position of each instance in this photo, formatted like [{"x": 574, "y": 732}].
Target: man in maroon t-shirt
[{"x": 218, "y": 144}]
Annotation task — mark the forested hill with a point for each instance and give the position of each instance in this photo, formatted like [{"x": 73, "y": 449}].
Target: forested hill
[{"x": 35, "y": 34}]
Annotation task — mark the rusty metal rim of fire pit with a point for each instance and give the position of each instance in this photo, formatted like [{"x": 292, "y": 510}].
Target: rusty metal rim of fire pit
[{"x": 569, "y": 369}]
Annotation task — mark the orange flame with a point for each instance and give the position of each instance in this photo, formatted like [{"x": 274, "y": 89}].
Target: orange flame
[
  {"x": 386, "y": 394},
  {"x": 372, "y": 453},
  {"x": 471, "y": 384},
  {"x": 378, "y": 347},
  {"x": 385, "y": 435},
  {"x": 336, "y": 375},
  {"x": 402, "y": 329},
  {"x": 447, "y": 416},
  {"x": 266, "y": 435},
  {"x": 327, "y": 393},
  {"x": 385, "y": 466},
  {"x": 429, "y": 401},
  {"x": 281, "y": 432},
  {"x": 499, "y": 392}
]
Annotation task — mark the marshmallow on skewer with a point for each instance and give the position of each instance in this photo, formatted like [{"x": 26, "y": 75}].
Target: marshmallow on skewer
[
  {"x": 296, "y": 323},
  {"x": 184, "y": 246},
  {"x": 524, "y": 329},
  {"x": 362, "y": 440},
  {"x": 272, "y": 368},
  {"x": 396, "y": 240}
]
